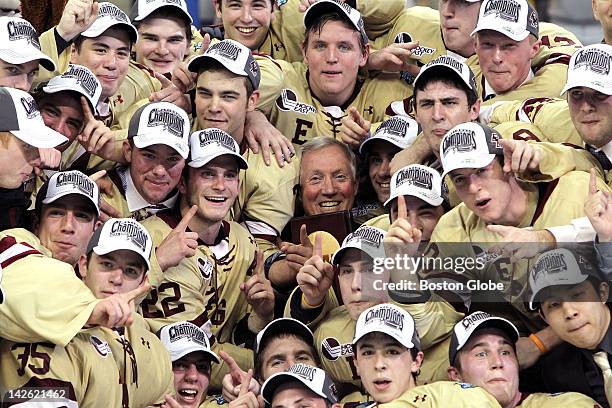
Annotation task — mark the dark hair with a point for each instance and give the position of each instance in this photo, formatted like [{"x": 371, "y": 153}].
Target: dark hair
[
  {"x": 216, "y": 66},
  {"x": 448, "y": 80},
  {"x": 319, "y": 23},
  {"x": 169, "y": 13},
  {"x": 258, "y": 372}
]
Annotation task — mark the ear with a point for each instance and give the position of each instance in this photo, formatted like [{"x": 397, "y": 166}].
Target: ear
[
  {"x": 595, "y": 11},
  {"x": 73, "y": 54},
  {"x": 364, "y": 57},
  {"x": 303, "y": 46},
  {"x": 182, "y": 185},
  {"x": 604, "y": 291},
  {"x": 535, "y": 47},
  {"x": 97, "y": 224},
  {"x": 355, "y": 360},
  {"x": 217, "y": 6},
  {"x": 417, "y": 362},
  {"x": 475, "y": 110},
  {"x": 453, "y": 374},
  {"x": 252, "y": 102},
  {"x": 127, "y": 151},
  {"x": 82, "y": 265},
  {"x": 36, "y": 221}
]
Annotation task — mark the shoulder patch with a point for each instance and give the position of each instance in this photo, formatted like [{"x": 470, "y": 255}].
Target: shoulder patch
[
  {"x": 288, "y": 101},
  {"x": 418, "y": 52},
  {"x": 100, "y": 345},
  {"x": 332, "y": 349},
  {"x": 205, "y": 267}
]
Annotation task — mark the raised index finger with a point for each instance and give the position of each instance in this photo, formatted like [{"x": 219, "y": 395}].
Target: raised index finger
[
  {"x": 593, "y": 182},
  {"x": 318, "y": 246},
  {"x": 259, "y": 269},
  {"x": 304, "y": 240},
  {"x": 182, "y": 226},
  {"x": 165, "y": 82},
  {"x": 402, "y": 211},
  {"x": 246, "y": 381},
  {"x": 141, "y": 290},
  {"x": 235, "y": 371}
]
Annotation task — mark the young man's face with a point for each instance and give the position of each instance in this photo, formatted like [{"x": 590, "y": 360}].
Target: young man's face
[
  {"x": 353, "y": 266},
  {"x": 155, "y": 170},
  {"x": 107, "y": 56},
  {"x": 333, "y": 57},
  {"x": 245, "y": 21},
  {"x": 385, "y": 366},
  {"x": 584, "y": 320},
  {"x": 117, "y": 272},
  {"x": 485, "y": 192},
  {"x": 602, "y": 11},
  {"x": 65, "y": 227},
  {"x": 379, "y": 160},
  {"x": 505, "y": 63},
  {"x": 62, "y": 111},
  {"x": 283, "y": 352},
  {"x": 489, "y": 361},
  {"x": 162, "y": 44},
  {"x": 212, "y": 187},
  {"x": 296, "y": 395},
  {"x": 421, "y": 215},
  {"x": 439, "y": 108},
  {"x": 18, "y": 76},
  {"x": 327, "y": 181},
  {"x": 458, "y": 19},
  {"x": 591, "y": 113},
  {"x": 191, "y": 379},
  {"x": 18, "y": 160},
  {"x": 222, "y": 102}
]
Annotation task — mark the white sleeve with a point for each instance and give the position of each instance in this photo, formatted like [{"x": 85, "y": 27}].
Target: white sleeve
[{"x": 578, "y": 230}]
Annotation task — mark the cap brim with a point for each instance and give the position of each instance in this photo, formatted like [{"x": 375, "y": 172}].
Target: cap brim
[
  {"x": 417, "y": 194},
  {"x": 533, "y": 301},
  {"x": 286, "y": 326},
  {"x": 56, "y": 197},
  {"x": 335, "y": 260},
  {"x": 197, "y": 62},
  {"x": 492, "y": 322},
  {"x": 478, "y": 164},
  {"x": 384, "y": 139},
  {"x": 607, "y": 90},
  {"x": 444, "y": 68},
  {"x": 97, "y": 31},
  {"x": 142, "y": 141},
  {"x": 200, "y": 162},
  {"x": 100, "y": 249},
  {"x": 408, "y": 344},
  {"x": 321, "y": 7},
  {"x": 55, "y": 89},
  {"x": 196, "y": 348},
  {"x": 41, "y": 137},
  {"x": 13, "y": 56},
  {"x": 515, "y": 37},
  {"x": 278, "y": 379},
  {"x": 141, "y": 17}
]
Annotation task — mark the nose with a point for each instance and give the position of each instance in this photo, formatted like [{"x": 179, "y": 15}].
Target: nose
[
  {"x": 214, "y": 105},
  {"x": 162, "y": 48},
  {"x": 116, "y": 276},
  {"x": 22, "y": 82},
  {"x": 474, "y": 184},
  {"x": 110, "y": 61},
  {"x": 413, "y": 219},
  {"x": 331, "y": 55},
  {"x": 380, "y": 363},
  {"x": 159, "y": 170},
  {"x": 246, "y": 16},
  {"x": 68, "y": 223},
  {"x": 496, "y": 361},
  {"x": 191, "y": 373},
  {"x": 356, "y": 283},
  {"x": 438, "y": 111},
  {"x": 384, "y": 169},
  {"x": 328, "y": 186},
  {"x": 219, "y": 183},
  {"x": 498, "y": 56},
  {"x": 569, "y": 310}
]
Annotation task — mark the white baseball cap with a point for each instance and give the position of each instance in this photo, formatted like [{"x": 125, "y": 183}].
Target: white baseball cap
[
  {"x": 208, "y": 144},
  {"x": 19, "y": 43},
  {"x": 21, "y": 117},
  {"x": 64, "y": 183},
  {"x": 109, "y": 16},
  {"x": 146, "y": 7},
  {"x": 78, "y": 79},
  {"x": 418, "y": 181},
  {"x": 555, "y": 268},
  {"x": 515, "y": 19},
  {"x": 590, "y": 67},
  {"x": 313, "y": 378},
  {"x": 160, "y": 123},
  {"x": 121, "y": 233},
  {"x": 366, "y": 239},
  {"x": 234, "y": 56},
  {"x": 285, "y": 325},
  {"x": 469, "y": 145},
  {"x": 400, "y": 131},
  {"x": 322, "y": 7},
  {"x": 447, "y": 64},
  {"x": 391, "y": 320},
  {"x": 466, "y": 327},
  {"x": 182, "y": 338}
]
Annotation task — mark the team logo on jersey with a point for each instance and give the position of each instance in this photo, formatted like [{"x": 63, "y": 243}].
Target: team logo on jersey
[
  {"x": 76, "y": 180},
  {"x": 552, "y": 263},
  {"x": 461, "y": 140},
  {"x": 594, "y": 60},
  {"x": 110, "y": 10},
  {"x": 30, "y": 107},
  {"x": 417, "y": 177},
  {"x": 225, "y": 49},
  {"x": 132, "y": 231},
  {"x": 405, "y": 38},
  {"x": 19, "y": 30},
  {"x": 287, "y": 101},
  {"x": 332, "y": 349},
  {"x": 505, "y": 9},
  {"x": 206, "y": 267},
  {"x": 388, "y": 316},
  {"x": 101, "y": 346},
  {"x": 84, "y": 78},
  {"x": 171, "y": 120}
]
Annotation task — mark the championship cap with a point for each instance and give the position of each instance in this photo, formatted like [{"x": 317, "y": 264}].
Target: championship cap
[
  {"x": 208, "y": 144},
  {"x": 20, "y": 116},
  {"x": 19, "y": 43},
  {"x": 313, "y": 378},
  {"x": 234, "y": 56},
  {"x": 109, "y": 16},
  {"x": 285, "y": 325},
  {"x": 146, "y": 7},
  {"x": 78, "y": 79},
  {"x": 322, "y": 7},
  {"x": 445, "y": 65},
  {"x": 391, "y": 320},
  {"x": 64, "y": 183},
  {"x": 590, "y": 67},
  {"x": 469, "y": 145},
  {"x": 400, "y": 131},
  {"x": 182, "y": 338},
  {"x": 466, "y": 327},
  {"x": 556, "y": 268},
  {"x": 366, "y": 239},
  {"x": 121, "y": 233},
  {"x": 515, "y": 19},
  {"x": 418, "y": 181},
  {"x": 160, "y": 123}
]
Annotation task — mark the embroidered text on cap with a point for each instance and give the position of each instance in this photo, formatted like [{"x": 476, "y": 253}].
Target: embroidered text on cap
[
  {"x": 386, "y": 315},
  {"x": 131, "y": 231},
  {"x": 461, "y": 140},
  {"x": 18, "y": 30},
  {"x": 171, "y": 120},
  {"x": 188, "y": 331},
  {"x": 594, "y": 59},
  {"x": 79, "y": 180},
  {"x": 505, "y": 9},
  {"x": 415, "y": 176},
  {"x": 216, "y": 136},
  {"x": 83, "y": 77}
]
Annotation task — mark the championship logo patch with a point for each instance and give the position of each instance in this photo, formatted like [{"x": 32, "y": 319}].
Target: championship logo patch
[
  {"x": 332, "y": 349},
  {"x": 474, "y": 318},
  {"x": 87, "y": 81},
  {"x": 171, "y": 120},
  {"x": 461, "y": 140},
  {"x": 505, "y": 9},
  {"x": 132, "y": 231},
  {"x": 20, "y": 30},
  {"x": 418, "y": 52},
  {"x": 594, "y": 60},
  {"x": 368, "y": 235},
  {"x": 552, "y": 263},
  {"x": 101, "y": 346},
  {"x": 303, "y": 371},
  {"x": 110, "y": 10},
  {"x": 288, "y": 101},
  {"x": 417, "y": 177},
  {"x": 386, "y": 315},
  {"x": 217, "y": 136},
  {"x": 76, "y": 181},
  {"x": 225, "y": 49},
  {"x": 395, "y": 126}
]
